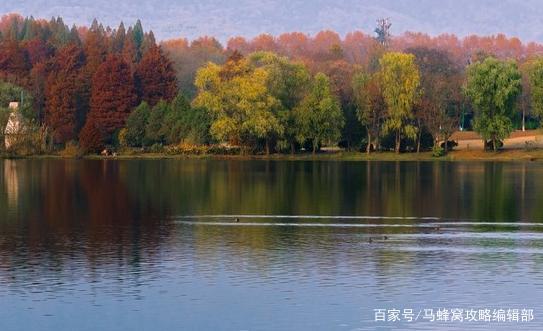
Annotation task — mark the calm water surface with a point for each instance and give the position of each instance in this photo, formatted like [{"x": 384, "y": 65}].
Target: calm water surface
[{"x": 155, "y": 245}]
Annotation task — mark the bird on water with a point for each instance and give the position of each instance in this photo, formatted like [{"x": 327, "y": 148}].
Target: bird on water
[{"x": 372, "y": 240}]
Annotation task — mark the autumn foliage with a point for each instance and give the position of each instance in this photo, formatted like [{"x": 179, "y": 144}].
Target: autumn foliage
[
  {"x": 91, "y": 138},
  {"x": 113, "y": 95},
  {"x": 155, "y": 78},
  {"x": 86, "y": 81},
  {"x": 63, "y": 93}
]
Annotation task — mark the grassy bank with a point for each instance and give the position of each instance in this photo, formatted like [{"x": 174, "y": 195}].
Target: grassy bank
[{"x": 472, "y": 155}]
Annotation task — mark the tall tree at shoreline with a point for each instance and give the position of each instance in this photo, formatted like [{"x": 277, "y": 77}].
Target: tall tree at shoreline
[
  {"x": 400, "y": 81},
  {"x": 319, "y": 117},
  {"x": 113, "y": 96},
  {"x": 438, "y": 109},
  {"x": 64, "y": 94},
  {"x": 493, "y": 87},
  {"x": 239, "y": 101},
  {"x": 287, "y": 82},
  {"x": 535, "y": 78},
  {"x": 370, "y": 106}
]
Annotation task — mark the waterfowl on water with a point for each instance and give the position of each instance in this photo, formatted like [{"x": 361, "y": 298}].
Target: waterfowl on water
[{"x": 371, "y": 240}]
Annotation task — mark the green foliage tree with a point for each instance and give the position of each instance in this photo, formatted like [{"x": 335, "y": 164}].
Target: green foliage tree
[
  {"x": 136, "y": 124},
  {"x": 185, "y": 123},
  {"x": 319, "y": 118},
  {"x": 493, "y": 87},
  {"x": 400, "y": 80},
  {"x": 153, "y": 133},
  {"x": 287, "y": 82},
  {"x": 535, "y": 74},
  {"x": 10, "y": 92}
]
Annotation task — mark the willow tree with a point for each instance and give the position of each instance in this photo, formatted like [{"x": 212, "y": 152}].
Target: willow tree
[
  {"x": 400, "y": 80},
  {"x": 240, "y": 104},
  {"x": 319, "y": 118},
  {"x": 493, "y": 87},
  {"x": 535, "y": 78},
  {"x": 287, "y": 82}
]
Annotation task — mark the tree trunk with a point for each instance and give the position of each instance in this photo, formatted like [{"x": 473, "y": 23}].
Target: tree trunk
[
  {"x": 419, "y": 134},
  {"x": 398, "y": 142},
  {"x": 523, "y": 120},
  {"x": 418, "y": 140},
  {"x": 494, "y": 144},
  {"x": 267, "y": 147},
  {"x": 292, "y": 148},
  {"x": 368, "y": 148},
  {"x": 314, "y": 146}
]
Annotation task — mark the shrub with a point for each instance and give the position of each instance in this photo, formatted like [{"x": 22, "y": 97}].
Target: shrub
[
  {"x": 156, "y": 148},
  {"x": 71, "y": 150},
  {"x": 121, "y": 137},
  {"x": 438, "y": 151}
]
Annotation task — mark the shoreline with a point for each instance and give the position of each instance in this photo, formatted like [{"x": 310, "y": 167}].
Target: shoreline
[{"x": 511, "y": 155}]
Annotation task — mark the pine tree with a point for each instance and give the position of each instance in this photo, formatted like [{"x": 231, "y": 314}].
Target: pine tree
[
  {"x": 14, "y": 62},
  {"x": 155, "y": 77},
  {"x": 138, "y": 36},
  {"x": 63, "y": 94},
  {"x": 118, "y": 40},
  {"x": 95, "y": 47},
  {"x": 129, "y": 52},
  {"x": 149, "y": 42},
  {"x": 113, "y": 95}
]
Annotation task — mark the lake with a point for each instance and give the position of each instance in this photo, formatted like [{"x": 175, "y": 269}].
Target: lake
[{"x": 270, "y": 245}]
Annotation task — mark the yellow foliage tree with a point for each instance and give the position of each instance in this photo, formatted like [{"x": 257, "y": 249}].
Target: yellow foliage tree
[{"x": 400, "y": 80}]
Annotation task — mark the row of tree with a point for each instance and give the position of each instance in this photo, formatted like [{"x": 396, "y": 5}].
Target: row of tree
[
  {"x": 84, "y": 82},
  {"x": 269, "y": 94}
]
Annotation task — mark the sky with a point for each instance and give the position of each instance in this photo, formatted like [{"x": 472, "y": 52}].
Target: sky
[{"x": 228, "y": 18}]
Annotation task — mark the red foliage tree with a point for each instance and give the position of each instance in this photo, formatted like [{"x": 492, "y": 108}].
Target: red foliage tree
[
  {"x": 239, "y": 44},
  {"x": 294, "y": 44},
  {"x": 14, "y": 62},
  {"x": 113, "y": 95},
  {"x": 38, "y": 80},
  {"x": 91, "y": 138},
  {"x": 130, "y": 54},
  {"x": 95, "y": 45},
  {"x": 64, "y": 92},
  {"x": 38, "y": 51},
  {"x": 264, "y": 42},
  {"x": 155, "y": 77}
]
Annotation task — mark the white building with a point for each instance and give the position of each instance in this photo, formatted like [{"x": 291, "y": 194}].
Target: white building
[{"x": 15, "y": 125}]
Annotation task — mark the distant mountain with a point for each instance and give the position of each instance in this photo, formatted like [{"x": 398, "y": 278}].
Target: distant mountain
[{"x": 223, "y": 19}]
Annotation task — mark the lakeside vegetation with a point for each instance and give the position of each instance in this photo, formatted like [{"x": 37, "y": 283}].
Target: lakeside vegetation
[{"x": 85, "y": 90}]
